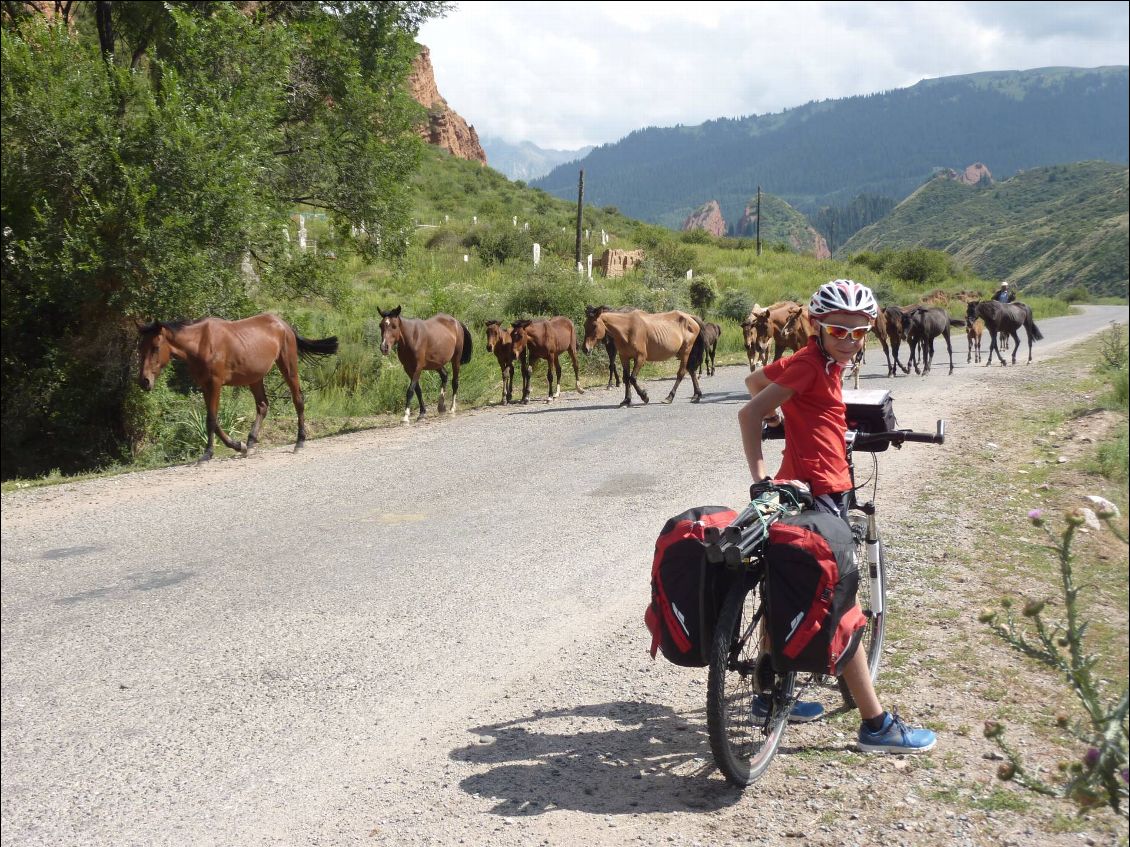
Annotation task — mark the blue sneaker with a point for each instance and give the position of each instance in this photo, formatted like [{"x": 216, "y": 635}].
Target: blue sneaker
[
  {"x": 803, "y": 711},
  {"x": 895, "y": 737}
]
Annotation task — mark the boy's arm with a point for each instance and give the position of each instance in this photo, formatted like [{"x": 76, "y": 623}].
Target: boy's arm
[{"x": 767, "y": 397}]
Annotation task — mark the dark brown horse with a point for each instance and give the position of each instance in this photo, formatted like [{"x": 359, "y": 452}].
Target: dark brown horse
[
  {"x": 220, "y": 353},
  {"x": 642, "y": 337},
  {"x": 1005, "y": 319},
  {"x": 501, "y": 343},
  {"x": 891, "y": 320},
  {"x": 711, "y": 332},
  {"x": 430, "y": 345},
  {"x": 546, "y": 339},
  {"x": 973, "y": 331},
  {"x": 921, "y": 325}
]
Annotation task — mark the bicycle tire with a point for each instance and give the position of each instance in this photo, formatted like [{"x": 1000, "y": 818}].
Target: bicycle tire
[
  {"x": 742, "y": 747},
  {"x": 872, "y": 642}
]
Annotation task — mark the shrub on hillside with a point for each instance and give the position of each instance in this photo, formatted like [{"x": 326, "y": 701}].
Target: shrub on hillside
[
  {"x": 696, "y": 236},
  {"x": 702, "y": 294},
  {"x": 920, "y": 265},
  {"x": 735, "y": 304},
  {"x": 498, "y": 243},
  {"x": 1075, "y": 294},
  {"x": 551, "y": 289},
  {"x": 442, "y": 239}
]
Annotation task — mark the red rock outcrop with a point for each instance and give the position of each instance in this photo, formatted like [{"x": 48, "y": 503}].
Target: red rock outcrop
[
  {"x": 444, "y": 127},
  {"x": 709, "y": 217},
  {"x": 975, "y": 173}
]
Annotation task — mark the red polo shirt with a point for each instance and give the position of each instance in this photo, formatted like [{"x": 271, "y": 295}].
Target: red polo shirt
[{"x": 815, "y": 420}]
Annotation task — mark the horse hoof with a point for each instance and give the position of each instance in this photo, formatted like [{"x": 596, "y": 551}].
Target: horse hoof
[
  {"x": 625, "y": 403},
  {"x": 696, "y": 398},
  {"x": 668, "y": 400}
]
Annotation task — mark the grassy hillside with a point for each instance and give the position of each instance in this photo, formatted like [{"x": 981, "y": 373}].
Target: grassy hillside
[{"x": 1047, "y": 230}]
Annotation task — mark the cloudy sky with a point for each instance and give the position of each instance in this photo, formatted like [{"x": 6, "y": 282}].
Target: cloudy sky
[{"x": 564, "y": 75}]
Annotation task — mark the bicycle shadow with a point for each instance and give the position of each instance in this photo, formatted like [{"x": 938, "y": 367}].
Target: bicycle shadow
[{"x": 621, "y": 757}]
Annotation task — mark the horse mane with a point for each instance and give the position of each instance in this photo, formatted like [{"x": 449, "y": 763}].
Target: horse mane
[
  {"x": 179, "y": 323},
  {"x": 520, "y": 323}
]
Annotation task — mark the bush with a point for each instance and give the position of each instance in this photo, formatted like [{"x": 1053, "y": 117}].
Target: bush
[
  {"x": 1075, "y": 294},
  {"x": 702, "y": 294},
  {"x": 443, "y": 239},
  {"x": 735, "y": 304},
  {"x": 551, "y": 290},
  {"x": 920, "y": 265},
  {"x": 696, "y": 236},
  {"x": 497, "y": 244}
]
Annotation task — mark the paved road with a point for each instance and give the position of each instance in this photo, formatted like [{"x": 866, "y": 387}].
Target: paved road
[{"x": 305, "y": 648}]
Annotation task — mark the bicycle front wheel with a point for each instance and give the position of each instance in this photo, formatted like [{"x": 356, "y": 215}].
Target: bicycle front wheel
[
  {"x": 872, "y": 599},
  {"x": 743, "y": 746}
]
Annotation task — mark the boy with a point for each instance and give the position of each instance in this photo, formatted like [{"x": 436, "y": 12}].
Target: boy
[{"x": 807, "y": 388}]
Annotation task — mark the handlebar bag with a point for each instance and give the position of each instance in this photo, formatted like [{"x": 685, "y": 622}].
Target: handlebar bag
[
  {"x": 815, "y": 625},
  {"x": 871, "y": 411},
  {"x": 687, "y": 591}
]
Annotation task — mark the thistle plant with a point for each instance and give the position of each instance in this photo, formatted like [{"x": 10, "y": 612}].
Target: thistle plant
[{"x": 1099, "y": 776}]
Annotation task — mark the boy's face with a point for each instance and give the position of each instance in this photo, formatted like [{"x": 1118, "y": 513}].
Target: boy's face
[{"x": 843, "y": 350}]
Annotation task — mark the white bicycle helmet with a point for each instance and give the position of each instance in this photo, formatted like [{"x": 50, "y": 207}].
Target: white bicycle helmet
[{"x": 843, "y": 295}]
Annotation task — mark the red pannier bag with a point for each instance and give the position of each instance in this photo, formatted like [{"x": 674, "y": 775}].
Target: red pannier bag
[
  {"x": 687, "y": 591},
  {"x": 815, "y": 625}
]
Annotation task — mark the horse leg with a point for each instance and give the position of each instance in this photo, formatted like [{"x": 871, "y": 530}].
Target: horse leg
[
  {"x": 212, "y": 398},
  {"x": 637, "y": 366},
  {"x": 261, "y": 406},
  {"x": 454, "y": 382},
  {"x": 576, "y": 369},
  {"x": 442, "y": 405},
  {"x": 527, "y": 375},
  {"x": 553, "y": 366},
  {"x": 413, "y": 385},
  {"x": 949, "y": 348},
  {"x": 679, "y": 378},
  {"x": 1016, "y": 344},
  {"x": 613, "y": 373},
  {"x": 697, "y": 388},
  {"x": 289, "y": 371},
  {"x": 506, "y": 382}
]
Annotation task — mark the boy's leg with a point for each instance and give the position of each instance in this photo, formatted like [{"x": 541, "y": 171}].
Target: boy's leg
[{"x": 857, "y": 676}]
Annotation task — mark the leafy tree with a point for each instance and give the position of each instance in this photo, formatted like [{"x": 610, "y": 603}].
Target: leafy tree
[{"x": 148, "y": 151}]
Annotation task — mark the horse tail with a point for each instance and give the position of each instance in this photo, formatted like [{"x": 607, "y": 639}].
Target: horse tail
[
  {"x": 957, "y": 322},
  {"x": 313, "y": 348},
  {"x": 466, "y": 357},
  {"x": 1031, "y": 328},
  {"x": 699, "y": 348}
]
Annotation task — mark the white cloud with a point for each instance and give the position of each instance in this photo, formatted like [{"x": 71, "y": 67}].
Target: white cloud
[{"x": 564, "y": 75}]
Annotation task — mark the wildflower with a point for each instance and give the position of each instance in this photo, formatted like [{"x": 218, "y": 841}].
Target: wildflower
[
  {"x": 1091, "y": 757},
  {"x": 1006, "y": 771},
  {"x": 1075, "y": 517},
  {"x": 1033, "y": 608},
  {"x": 1103, "y": 507},
  {"x": 987, "y": 616},
  {"x": 1036, "y": 516}
]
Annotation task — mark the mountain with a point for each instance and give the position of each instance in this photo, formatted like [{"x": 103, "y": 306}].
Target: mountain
[
  {"x": 444, "y": 127},
  {"x": 1045, "y": 230},
  {"x": 886, "y": 144},
  {"x": 780, "y": 224},
  {"x": 525, "y": 160}
]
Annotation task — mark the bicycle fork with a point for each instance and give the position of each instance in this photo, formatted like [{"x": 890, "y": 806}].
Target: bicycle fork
[{"x": 874, "y": 562}]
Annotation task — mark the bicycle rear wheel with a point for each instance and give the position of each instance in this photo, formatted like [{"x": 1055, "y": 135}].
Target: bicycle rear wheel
[
  {"x": 743, "y": 746},
  {"x": 872, "y": 597}
]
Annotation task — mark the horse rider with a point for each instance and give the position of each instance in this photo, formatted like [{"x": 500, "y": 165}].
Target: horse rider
[{"x": 1004, "y": 294}]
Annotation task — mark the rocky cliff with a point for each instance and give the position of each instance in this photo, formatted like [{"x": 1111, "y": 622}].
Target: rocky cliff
[
  {"x": 444, "y": 127},
  {"x": 708, "y": 217},
  {"x": 784, "y": 224}
]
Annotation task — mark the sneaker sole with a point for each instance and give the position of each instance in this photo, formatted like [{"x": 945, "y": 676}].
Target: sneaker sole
[{"x": 885, "y": 748}]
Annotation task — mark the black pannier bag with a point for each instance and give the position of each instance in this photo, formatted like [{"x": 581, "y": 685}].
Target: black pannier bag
[
  {"x": 870, "y": 411},
  {"x": 687, "y": 592},
  {"x": 815, "y": 625}
]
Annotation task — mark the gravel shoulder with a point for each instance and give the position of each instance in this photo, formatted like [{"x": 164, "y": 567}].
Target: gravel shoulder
[{"x": 434, "y": 635}]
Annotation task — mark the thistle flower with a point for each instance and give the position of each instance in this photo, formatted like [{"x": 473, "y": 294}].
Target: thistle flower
[
  {"x": 993, "y": 729},
  {"x": 1036, "y": 516},
  {"x": 987, "y": 616},
  {"x": 1033, "y": 608},
  {"x": 1075, "y": 517},
  {"x": 1006, "y": 771},
  {"x": 1091, "y": 757}
]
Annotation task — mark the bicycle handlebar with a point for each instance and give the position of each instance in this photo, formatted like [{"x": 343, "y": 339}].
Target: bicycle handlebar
[{"x": 896, "y": 437}]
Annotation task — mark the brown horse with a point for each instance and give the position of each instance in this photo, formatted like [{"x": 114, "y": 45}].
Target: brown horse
[
  {"x": 755, "y": 329},
  {"x": 891, "y": 320},
  {"x": 426, "y": 345},
  {"x": 546, "y": 339},
  {"x": 793, "y": 333},
  {"x": 501, "y": 343},
  {"x": 711, "y": 332},
  {"x": 642, "y": 337},
  {"x": 973, "y": 332},
  {"x": 220, "y": 353}
]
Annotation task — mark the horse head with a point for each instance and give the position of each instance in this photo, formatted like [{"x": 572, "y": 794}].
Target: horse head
[
  {"x": 594, "y": 327},
  {"x": 153, "y": 350},
  {"x": 497, "y": 336},
  {"x": 518, "y": 335},
  {"x": 971, "y": 310},
  {"x": 390, "y": 329}
]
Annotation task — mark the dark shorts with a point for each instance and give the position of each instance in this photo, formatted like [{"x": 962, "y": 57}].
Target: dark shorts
[{"x": 833, "y": 504}]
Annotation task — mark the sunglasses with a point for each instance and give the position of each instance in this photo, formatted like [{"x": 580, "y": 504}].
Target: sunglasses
[{"x": 856, "y": 333}]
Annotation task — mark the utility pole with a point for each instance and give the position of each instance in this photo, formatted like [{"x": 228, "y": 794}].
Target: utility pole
[
  {"x": 580, "y": 205},
  {"x": 759, "y": 220}
]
